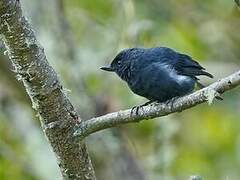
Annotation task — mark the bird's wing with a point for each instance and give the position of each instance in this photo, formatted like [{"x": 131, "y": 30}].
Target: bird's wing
[
  {"x": 185, "y": 65},
  {"x": 182, "y": 63}
]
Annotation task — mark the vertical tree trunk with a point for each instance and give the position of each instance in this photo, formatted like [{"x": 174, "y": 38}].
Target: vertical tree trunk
[{"x": 56, "y": 112}]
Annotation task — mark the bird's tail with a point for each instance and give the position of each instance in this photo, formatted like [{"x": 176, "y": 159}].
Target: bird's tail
[{"x": 196, "y": 72}]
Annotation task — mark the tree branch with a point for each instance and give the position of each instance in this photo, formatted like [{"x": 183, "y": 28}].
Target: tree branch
[
  {"x": 57, "y": 115},
  {"x": 158, "y": 109}
]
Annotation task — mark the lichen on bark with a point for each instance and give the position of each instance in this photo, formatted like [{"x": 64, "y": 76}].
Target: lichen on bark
[{"x": 57, "y": 115}]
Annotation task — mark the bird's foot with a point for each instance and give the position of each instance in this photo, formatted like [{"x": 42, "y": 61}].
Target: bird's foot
[
  {"x": 172, "y": 101},
  {"x": 136, "y": 108}
]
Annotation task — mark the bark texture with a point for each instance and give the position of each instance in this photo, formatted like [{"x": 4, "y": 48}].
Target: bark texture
[{"x": 57, "y": 115}]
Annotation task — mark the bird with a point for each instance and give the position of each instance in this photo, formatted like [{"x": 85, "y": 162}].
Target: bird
[{"x": 158, "y": 74}]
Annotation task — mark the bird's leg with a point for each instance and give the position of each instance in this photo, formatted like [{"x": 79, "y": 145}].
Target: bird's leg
[
  {"x": 139, "y": 106},
  {"x": 147, "y": 103},
  {"x": 171, "y": 101},
  {"x": 133, "y": 108}
]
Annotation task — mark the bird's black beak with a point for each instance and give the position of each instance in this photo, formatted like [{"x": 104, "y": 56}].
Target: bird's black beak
[{"x": 107, "y": 68}]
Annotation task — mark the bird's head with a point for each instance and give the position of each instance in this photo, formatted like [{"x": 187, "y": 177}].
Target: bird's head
[{"x": 122, "y": 62}]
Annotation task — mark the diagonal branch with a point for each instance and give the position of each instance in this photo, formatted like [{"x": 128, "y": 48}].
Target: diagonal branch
[
  {"x": 57, "y": 115},
  {"x": 158, "y": 109}
]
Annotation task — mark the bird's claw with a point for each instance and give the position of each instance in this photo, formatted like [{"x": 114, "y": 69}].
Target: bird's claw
[
  {"x": 139, "y": 106},
  {"x": 171, "y": 101},
  {"x": 135, "y": 108}
]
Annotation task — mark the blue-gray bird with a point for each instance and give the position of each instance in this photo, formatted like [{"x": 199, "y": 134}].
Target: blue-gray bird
[{"x": 158, "y": 74}]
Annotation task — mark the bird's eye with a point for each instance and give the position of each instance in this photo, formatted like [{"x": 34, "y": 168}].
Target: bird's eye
[{"x": 119, "y": 62}]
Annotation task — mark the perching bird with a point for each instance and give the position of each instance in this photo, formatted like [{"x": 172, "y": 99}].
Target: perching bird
[{"x": 158, "y": 74}]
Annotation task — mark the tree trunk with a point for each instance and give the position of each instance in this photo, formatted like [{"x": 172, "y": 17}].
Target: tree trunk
[{"x": 57, "y": 115}]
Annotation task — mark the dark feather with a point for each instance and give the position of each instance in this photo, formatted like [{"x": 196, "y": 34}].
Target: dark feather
[
  {"x": 194, "y": 72},
  {"x": 189, "y": 67}
]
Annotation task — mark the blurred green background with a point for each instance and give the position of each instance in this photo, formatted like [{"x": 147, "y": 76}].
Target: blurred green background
[{"x": 79, "y": 37}]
